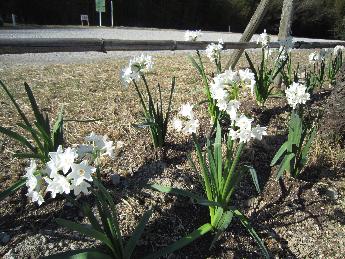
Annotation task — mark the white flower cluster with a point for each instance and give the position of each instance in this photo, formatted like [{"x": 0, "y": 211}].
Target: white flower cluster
[
  {"x": 34, "y": 183},
  {"x": 188, "y": 124},
  {"x": 222, "y": 85},
  {"x": 137, "y": 66},
  {"x": 286, "y": 46},
  {"x": 192, "y": 35},
  {"x": 264, "y": 39},
  {"x": 338, "y": 50},
  {"x": 319, "y": 56},
  {"x": 213, "y": 50},
  {"x": 67, "y": 170},
  {"x": 297, "y": 94},
  {"x": 245, "y": 131}
]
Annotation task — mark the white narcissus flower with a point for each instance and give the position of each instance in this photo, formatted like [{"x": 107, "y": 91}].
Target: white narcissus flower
[
  {"x": 245, "y": 132},
  {"x": 244, "y": 135},
  {"x": 213, "y": 50},
  {"x": 297, "y": 94},
  {"x": 62, "y": 160},
  {"x": 128, "y": 75},
  {"x": 101, "y": 144},
  {"x": 232, "y": 108},
  {"x": 230, "y": 77},
  {"x": 187, "y": 110},
  {"x": 66, "y": 159},
  {"x": 36, "y": 197},
  {"x": 264, "y": 39},
  {"x": 177, "y": 124},
  {"x": 83, "y": 150},
  {"x": 188, "y": 124},
  {"x": 338, "y": 50},
  {"x": 80, "y": 188},
  {"x": 191, "y": 126},
  {"x": 317, "y": 56},
  {"x": 192, "y": 35},
  {"x": 141, "y": 64},
  {"x": 258, "y": 132},
  {"x": 31, "y": 181},
  {"x": 58, "y": 185},
  {"x": 137, "y": 66},
  {"x": 81, "y": 172},
  {"x": 248, "y": 78},
  {"x": 243, "y": 122}
]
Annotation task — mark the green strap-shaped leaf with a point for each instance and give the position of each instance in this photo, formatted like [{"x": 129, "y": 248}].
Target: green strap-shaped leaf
[
  {"x": 279, "y": 153},
  {"x": 47, "y": 139},
  {"x": 254, "y": 176},
  {"x": 204, "y": 229},
  {"x": 218, "y": 158},
  {"x": 12, "y": 189},
  {"x": 222, "y": 225},
  {"x": 38, "y": 115},
  {"x": 252, "y": 232},
  {"x": 27, "y": 155},
  {"x": 35, "y": 134},
  {"x": 195, "y": 64},
  {"x": 132, "y": 242},
  {"x": 198, "y": 199},
  {"x": 108, "y": 225},
  {"x": 89, "y": 214},
  {"x": 81, "y": 254},
  {"x": 85, "y": 230},
  {"x": 307, "y": 146},
  {"x": 57, "y": 132},
  {"x": 167, "y": 114},
  {"x": 18, "y": 137},
  {"x": 112, "y": 206},
  {"x": 21, "y": 113},
  {"x": 212, "y": 165},
  {"x": 285, "y": 164},
  {"x": 204, "y": 170}
]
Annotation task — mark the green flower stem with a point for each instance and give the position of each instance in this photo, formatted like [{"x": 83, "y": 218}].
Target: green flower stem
[
  {"x": 232, "y": 169},
  {"x": 205, "y": 173}
]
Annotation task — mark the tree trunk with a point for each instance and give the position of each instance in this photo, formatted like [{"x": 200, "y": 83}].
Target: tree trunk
[
  {"x": 249, "y": 31},
  {"x": 285, "y": 30}
]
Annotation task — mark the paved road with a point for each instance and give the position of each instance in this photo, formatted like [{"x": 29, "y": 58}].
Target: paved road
[
  {"x": 124, "y": 33},
  {"x": 95, "y": 32}
]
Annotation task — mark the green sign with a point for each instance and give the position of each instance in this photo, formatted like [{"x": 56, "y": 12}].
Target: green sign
[{"x": 100, "y": 6}]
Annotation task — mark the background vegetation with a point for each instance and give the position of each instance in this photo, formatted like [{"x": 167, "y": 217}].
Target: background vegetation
[{"x": 313, "y": 18}]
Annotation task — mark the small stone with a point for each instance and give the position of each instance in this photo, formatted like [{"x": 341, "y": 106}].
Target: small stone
[
  {"x": 9, "y": 255},
  {"x": 4, "y": 238},
  {"x": 51, "y": 246},
  {"x": 44, "y": 240},
  {"x": 250, "y": 202},
  {"x": 331, "y": 193},
  {"x": 68, "y": 204},
  {"x": 115, "y": 179}
]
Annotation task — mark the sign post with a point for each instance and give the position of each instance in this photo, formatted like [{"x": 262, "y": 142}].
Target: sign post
[
  {"x": 100, "y": 8},
  {"x": 112, "y": 13}
]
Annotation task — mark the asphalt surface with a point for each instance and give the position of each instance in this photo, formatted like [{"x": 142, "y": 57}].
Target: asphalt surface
[{"x": 103, "y": 33}]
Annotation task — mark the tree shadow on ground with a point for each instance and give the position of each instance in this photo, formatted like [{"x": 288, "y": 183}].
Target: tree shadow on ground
[{"x": 321, "y": 170}]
